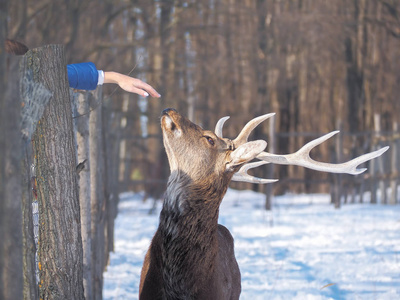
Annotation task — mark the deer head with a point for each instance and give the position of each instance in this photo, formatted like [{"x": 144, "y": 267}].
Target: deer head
[{"x": 187, "y": 144}]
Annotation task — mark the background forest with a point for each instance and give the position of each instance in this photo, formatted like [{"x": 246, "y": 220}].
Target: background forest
[{"x": 318, "y": 64}]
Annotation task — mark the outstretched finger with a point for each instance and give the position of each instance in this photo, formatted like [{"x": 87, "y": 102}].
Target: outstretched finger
[
  {"x": 145, "y": 89},
  {"x": 141, "y": 92}
]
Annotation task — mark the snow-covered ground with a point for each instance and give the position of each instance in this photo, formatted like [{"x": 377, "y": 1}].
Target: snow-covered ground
[{"x": 302, "y": 249}]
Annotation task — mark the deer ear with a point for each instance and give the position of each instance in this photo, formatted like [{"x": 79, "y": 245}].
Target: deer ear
[{"x": 245, "y": 153}]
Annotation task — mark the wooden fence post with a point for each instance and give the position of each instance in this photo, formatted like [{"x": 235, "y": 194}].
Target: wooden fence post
[{"x": 60, "y": 244}]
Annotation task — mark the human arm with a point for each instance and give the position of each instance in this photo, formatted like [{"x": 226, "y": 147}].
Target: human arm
[
  {"x": 85, "y": 76},
  {"x": 130, "y": 84}
]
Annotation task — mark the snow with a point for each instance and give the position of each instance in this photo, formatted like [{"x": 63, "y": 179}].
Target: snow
[{"x": 302, "y": 249}]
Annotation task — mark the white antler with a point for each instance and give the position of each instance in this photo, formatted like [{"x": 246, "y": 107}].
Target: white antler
[
  {"x": 218, "y": 127},
  {"x": 242, "y": 175},
  {"x": 248, "y": 128},
  {"x": 299, "y": 158},
  {"x": 302, "y": 158}
]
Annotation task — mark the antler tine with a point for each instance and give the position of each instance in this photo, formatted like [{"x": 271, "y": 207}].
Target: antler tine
[
  {"x": 218, "y": 127},
  {"x": 248, "y": 128},
  {"x": 302, "y": 158},
  {"x": 242, "y": 175}
]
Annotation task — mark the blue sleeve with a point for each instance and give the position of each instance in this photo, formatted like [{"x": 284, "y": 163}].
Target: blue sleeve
[{"x": 83, "y": 76}]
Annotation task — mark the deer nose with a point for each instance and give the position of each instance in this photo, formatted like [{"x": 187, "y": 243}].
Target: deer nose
[{"x": 167, "y": 110}]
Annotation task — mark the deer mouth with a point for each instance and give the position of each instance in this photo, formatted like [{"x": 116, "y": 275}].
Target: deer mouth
[
  {"x": 168, "y": 123},
  {"x": 170, "y": 131}
]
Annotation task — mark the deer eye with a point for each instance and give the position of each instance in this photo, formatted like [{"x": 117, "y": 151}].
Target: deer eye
[{"x": 210, "y": 140}]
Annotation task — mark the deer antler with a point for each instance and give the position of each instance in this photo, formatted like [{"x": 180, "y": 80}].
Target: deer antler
[
  {"x": 242, "y": 175},
  {"x": 302, "y": 158},
  {"x": 248, "y": 128},
  {"x": 218, "y": 127},
  {"x": 299, "y": 158}
]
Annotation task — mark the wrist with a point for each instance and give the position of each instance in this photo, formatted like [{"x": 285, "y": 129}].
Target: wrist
[{"x": 111, "y": 77}]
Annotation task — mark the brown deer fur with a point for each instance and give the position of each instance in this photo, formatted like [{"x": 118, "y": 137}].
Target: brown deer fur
[{"x": 191, "y": 256}]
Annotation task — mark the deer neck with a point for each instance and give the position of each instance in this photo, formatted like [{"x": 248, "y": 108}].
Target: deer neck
[{"x": 188, "y": 229}]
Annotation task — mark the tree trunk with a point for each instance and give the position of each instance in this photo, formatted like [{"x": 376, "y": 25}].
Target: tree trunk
[
  {"x": 354, "y": 49},
  {"x": 81, "y": 114},
  {"x": 111, "y": 129},
  {"x": 3, "y": 212},
  {"x": 97, "y": 193},
  {"x": 11, "y": 220},
  {"x": 30, "y": 291},
  {"x": 394, "y": 182},
  {"x": 60, "y": 244}
]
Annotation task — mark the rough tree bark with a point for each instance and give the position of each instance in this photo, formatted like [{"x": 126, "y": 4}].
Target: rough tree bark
[
  {"x": 82, "y": 139},
  {"x": 60, "y": 244},
  {"x": 30, "y": 290},
  {"x": 11, "y": 218},
  {"x": 97, "y": 193},
  {"x": 112, "y": 138},
  {"x": 3, "y": 27}
]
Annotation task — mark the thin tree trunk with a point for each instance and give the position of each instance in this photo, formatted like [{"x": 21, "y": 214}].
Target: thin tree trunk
[
  {"x": 30, "y": 291},
  {"x": 97, "y": 193},
  {"x": 83, "y": 169},
  {"x": 60, "y": 244},
  {"x": 111, "y": 122},
  {"x": 3, "y": 212},
  {"x": 11, "y": 221},
  {"x": 394, "y": 166}
]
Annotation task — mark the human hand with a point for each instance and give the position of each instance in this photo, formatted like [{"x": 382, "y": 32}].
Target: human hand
[{"x": 130, "y": 84}]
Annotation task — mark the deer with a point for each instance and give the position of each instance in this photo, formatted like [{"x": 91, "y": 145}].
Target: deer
[{"x": 191, "y": 256}]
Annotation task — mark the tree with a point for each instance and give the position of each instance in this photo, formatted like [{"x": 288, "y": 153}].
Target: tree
[
  {"x": 97, "y": 195},
  {"x": 3, "y": 212},
  {"x": 81, "y": 112},
  {"x": 60, "y": 244},
  {"x": 11, "y": 281}
]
